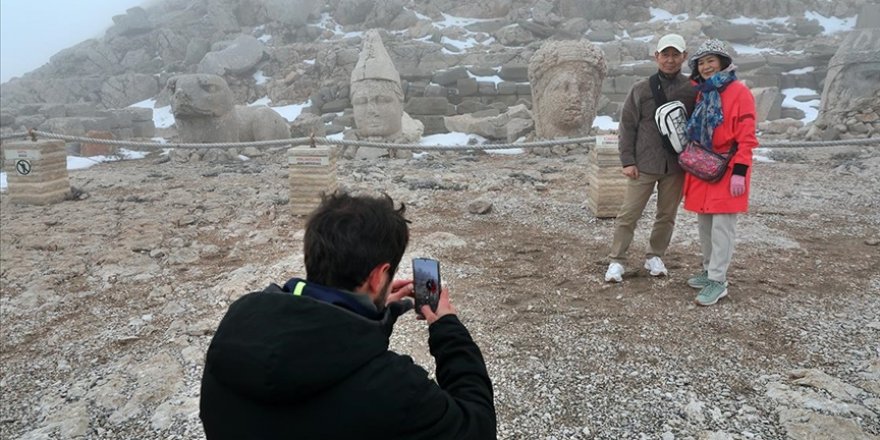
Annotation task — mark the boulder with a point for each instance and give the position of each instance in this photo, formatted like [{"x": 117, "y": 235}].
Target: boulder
[
  {"x": 307, "y": 124},
  {"x": 134, "y": 21},
  {"x": 124, "y": 90},
  {"x": 768, "y": 103},
  {"x": 240, "y": 56},
  {"x": 170, "y": 45},
  {"x": 731, "y": 32},
  {"x": 293, "y": 13},
  {"x": 352, "y": 11},
  {"x": 508, "y": 126}
]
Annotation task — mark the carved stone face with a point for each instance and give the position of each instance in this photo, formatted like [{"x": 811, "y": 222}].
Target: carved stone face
[
  {"x": 853, "y": 75},
  {"x": 378, "y": 107},
  {"x": 199, "y": 95},
  {"x": 566, "y": 104}
]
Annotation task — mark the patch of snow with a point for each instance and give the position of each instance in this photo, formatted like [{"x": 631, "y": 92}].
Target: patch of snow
[
  {"x": 260, "y": 78},
  {"x": 290, "y": 112},
  {"x": 759, "y": 21},
  {"x": 265, "y": 38},
  {"x": 663, "y": 15},
  {"x": 264, "y": 101},
  {"x": 449, "y": 21},
  {"x": 832, "y": 25},
  {"x": 810, "y": 108},
  {"x": 311, "y": 61},
  {"x": 800, "y": 71},
  {"x": 458, "y": 44},
  {"x": 761, "y": 155},
  {"x": 507, "y": 151},
  {"x": 336, "y": 137},
  {"x": 605, "y": 123},
  {"x": 162, "y": 117},
  {"x": 742, "y": 49},
  {"x": 243, "y": 158},
  {"x": 493, "y": 79}
]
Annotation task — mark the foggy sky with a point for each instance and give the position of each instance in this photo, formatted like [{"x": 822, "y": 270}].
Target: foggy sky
[{"x": 31, "y": 31}]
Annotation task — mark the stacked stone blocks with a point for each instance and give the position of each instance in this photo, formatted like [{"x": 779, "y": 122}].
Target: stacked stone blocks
[
  {"x": 607, "y": 185},
  {"x": 36, "y": 171},
  {"x": 312, "y": 174}
]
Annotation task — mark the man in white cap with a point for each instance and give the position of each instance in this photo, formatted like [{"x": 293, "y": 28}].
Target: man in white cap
[{"x": 649, "y": 161}]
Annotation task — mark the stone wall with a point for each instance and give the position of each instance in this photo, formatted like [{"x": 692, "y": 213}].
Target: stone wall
[{"x": 78, "y": 119}]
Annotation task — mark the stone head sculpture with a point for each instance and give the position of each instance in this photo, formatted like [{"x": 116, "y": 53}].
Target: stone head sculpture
[
  {"x": 203, "y": 108},
  {"x": 566, "y": 79},
  {"x": 853, "y": 75},
  {"x": 376, "y": 94}
]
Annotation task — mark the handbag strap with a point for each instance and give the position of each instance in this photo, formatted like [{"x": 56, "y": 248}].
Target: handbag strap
[
  {"x": 660, "y": 99},
  {"x": 657, "y": 90}
]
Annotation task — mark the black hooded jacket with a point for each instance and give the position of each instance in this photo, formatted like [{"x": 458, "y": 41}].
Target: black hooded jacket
[{"x": 285, "y": 366}]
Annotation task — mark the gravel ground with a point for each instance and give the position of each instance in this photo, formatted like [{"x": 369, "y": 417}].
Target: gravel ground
[{"x": 108, "y": 302}]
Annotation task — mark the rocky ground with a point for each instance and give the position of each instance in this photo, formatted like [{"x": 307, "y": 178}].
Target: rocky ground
[{"x": 109, "y": 301}]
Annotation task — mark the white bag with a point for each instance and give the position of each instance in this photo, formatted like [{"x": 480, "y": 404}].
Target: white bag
[{"x": 671, "y": 119}]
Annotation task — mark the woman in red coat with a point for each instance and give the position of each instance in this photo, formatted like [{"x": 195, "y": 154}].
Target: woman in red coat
[{"x": 724, "y": 117}]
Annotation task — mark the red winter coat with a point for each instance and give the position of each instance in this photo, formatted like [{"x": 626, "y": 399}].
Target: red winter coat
[{"x": 738, "y": 108}]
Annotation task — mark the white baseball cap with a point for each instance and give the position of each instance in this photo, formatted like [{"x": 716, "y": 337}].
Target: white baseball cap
[{"x": 671, "y": 40}]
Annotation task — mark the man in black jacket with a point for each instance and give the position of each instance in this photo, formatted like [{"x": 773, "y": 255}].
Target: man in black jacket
[{"x": 310, "y": 360}]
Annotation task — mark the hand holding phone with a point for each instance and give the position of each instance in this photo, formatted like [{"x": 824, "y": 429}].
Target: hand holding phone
[{"x": 426, "y": 283}]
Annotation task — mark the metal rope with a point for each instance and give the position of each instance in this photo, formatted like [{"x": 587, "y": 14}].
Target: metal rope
[{"x": 31, "y": 134}]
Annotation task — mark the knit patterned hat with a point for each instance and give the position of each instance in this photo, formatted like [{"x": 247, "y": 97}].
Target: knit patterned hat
[{"x": 710, "y": 47}]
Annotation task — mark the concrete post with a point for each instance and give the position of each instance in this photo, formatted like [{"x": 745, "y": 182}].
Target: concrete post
[
  {"x": 36, "y": 171},
  {"x": 312, "y": 173}
]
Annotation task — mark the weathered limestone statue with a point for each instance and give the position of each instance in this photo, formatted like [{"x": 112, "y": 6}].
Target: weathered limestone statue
[
  {"x": 566, "y": 79},
  {"x": 204, "y": 112},
  {"x": 851, "y": 96},
  {"x": 377, "y": 100}
]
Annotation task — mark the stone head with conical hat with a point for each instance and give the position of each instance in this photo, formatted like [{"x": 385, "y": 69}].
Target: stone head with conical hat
[
  {"x": 376, "y": 95},
  {"x": 566, "y": 79}
]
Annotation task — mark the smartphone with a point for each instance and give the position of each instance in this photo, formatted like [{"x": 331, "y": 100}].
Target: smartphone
[{"x": 426, "y": 283}]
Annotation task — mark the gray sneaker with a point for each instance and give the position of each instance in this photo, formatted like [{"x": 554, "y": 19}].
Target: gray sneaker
[
  {"x": 710, "y": 294},
  {"x": 700, "y": 280}
]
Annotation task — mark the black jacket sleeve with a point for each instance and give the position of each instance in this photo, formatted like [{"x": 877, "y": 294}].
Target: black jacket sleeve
[{"x": 462, "y": 407}]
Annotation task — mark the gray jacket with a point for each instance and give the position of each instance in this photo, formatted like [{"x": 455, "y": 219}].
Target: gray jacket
[{"x": 640, "y": 142}]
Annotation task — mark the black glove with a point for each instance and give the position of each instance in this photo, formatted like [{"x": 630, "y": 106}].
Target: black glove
[{"x": 393, "y": 311}]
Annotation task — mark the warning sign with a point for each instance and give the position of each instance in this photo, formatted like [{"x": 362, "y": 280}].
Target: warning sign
[{"x": 23, "y": 167}]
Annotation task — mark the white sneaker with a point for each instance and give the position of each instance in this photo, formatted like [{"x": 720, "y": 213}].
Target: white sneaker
[
  {"x": 655, "y": 267},
  {"x": 614, "y": 273}
]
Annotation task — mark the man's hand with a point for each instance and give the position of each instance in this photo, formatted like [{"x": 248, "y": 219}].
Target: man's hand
[
  {"x": 631, "y": 171},
  {"x": 444, "y": 307},
  {"x": 400, "y": 289},
  {"x": 737, "y": 185}
]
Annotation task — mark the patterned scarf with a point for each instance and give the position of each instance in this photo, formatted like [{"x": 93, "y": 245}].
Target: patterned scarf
[{"x": 707, "y": 114}]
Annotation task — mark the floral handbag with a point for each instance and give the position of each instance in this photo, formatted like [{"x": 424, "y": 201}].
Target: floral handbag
[{"x": 704, "y": 163}]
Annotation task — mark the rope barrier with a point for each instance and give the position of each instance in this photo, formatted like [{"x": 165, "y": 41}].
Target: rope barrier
[{"x": 312, "y": 140}]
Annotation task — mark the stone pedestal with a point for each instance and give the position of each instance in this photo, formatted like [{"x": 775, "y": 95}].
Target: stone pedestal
[
  {"x": 312, "y": 174},
  {"x": 36, "y": 172},
  {"x": 607, "y": 183}
]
